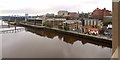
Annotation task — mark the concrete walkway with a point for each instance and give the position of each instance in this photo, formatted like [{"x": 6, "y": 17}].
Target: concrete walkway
[
  {"x": 101, "y": 37},
  {"x": 11, "y": 30},
  {"x": 96, "y": 37}
]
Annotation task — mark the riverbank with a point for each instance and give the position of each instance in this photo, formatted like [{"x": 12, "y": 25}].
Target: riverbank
[{"x": 81, "y": 35}]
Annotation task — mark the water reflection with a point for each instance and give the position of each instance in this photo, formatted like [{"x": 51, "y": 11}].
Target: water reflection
[
  {"x": 43, "y": 43},
  {"x": 66, "y": 38}
]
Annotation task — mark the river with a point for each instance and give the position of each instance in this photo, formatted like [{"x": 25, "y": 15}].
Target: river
[{"x": 41, "y": 43}]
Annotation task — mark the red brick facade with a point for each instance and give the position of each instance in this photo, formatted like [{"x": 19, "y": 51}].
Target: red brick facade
[{"x": 100, "y": 13}]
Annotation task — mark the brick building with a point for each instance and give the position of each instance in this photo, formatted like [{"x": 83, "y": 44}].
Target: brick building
[{"x": 100, "y": 13}]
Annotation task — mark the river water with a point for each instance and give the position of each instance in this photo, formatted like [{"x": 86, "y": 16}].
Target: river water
[{"x": 42, "y": 43}]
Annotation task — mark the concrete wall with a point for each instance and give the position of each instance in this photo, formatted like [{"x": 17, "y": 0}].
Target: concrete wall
[
  {"x": 115, "y": 20},
  {"x": 119, "y": 31},
  {"x": 0, "y": 46}
]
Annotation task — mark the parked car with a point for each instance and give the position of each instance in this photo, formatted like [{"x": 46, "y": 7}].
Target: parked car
[{"x": 108, "y": 34}]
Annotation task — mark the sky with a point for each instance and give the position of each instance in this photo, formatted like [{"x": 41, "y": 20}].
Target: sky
[{"x": 40, "y": 7}]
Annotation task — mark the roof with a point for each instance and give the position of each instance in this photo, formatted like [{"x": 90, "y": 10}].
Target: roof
[
  {"x": 56, "y": 19},
  {"x": 34, "y": 19},
  {"x": 91, "y": 28},
  {"x": 90, "y": 19}
]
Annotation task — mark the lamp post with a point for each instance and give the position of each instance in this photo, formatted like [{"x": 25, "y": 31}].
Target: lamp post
[
  {"x": 15, "y": 24},
  {"x": 64, "y": 26},
  {"x": 35, "y": 21},
  {"x": 53, "y": 21},
  {"x": 1, "y": 22},
  {"x": 9, "y": 23}
]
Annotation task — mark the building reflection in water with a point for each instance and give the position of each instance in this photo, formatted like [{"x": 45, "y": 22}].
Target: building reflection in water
[{"x": 65, "y": 37}]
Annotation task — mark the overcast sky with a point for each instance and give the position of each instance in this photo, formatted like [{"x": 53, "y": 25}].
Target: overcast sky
[{"x": 39, "y": 7}]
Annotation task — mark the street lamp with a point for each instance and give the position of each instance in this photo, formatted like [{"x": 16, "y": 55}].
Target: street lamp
[
  {"x": 1, "y": 22},
  {"x": 35, "y": 21},
  {"x": 9, "y": 23},
  {"x": 26, "y": 16},
  {"x": 53, "y": 21},
  {"x": 15, "y": 24}
]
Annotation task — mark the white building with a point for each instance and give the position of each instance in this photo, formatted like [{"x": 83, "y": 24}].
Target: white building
[
  {"x": 107, "y": 17},
  {"x": 91, "y": 22},
  {"x": 109, "y": 26}
]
